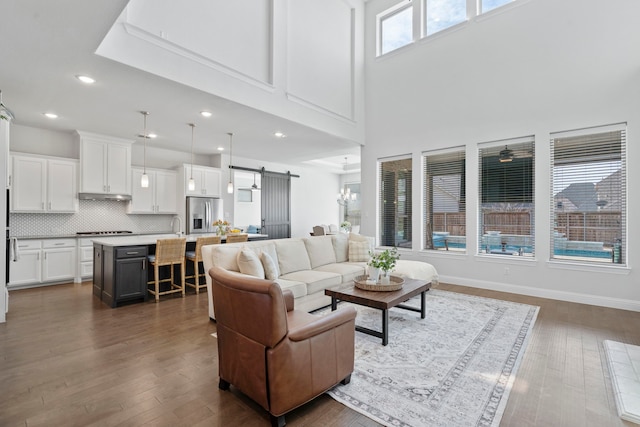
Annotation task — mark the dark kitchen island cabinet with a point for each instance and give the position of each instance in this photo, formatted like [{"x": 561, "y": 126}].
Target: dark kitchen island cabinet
[{"x": 123, "y": 273}]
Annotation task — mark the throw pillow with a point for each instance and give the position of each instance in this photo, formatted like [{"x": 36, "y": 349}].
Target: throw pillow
[
  {"x": 250, "y": 264},
  {"x": 341, "y": 247},
  {"x": 292, "y": 255},
  {"x": 270, "y": 267},
  {"x": 320, "y": 251},
  {"x": 358, "y": 251}
]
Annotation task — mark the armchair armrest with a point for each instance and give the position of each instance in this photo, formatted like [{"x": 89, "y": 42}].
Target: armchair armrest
[
  {"x": 288, "y": 299},
  {"x": 323, "y": 324}
]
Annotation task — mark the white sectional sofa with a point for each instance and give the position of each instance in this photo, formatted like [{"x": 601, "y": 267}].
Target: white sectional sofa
[{"x": 306, "y": 266}]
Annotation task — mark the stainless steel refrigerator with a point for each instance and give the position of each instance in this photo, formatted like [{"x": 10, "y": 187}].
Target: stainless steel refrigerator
[{"x": 201, "y": 213}]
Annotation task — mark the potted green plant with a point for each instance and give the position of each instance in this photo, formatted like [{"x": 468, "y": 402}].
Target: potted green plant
[{"x": 382, "y": 262}]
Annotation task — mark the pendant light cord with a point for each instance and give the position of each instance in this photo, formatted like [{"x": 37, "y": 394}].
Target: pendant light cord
[
  {"x": 144, "y": 135},
  {"x": 192, "y": 127}
]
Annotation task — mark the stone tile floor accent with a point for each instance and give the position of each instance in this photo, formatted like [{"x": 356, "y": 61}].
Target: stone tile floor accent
[{"x": 624, "y": 365}]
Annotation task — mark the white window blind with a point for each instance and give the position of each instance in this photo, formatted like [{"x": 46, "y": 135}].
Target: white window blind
[
  {"x": 395, "y": 202},
  {"x": 445, "y": 200},
  {"x": 507, "y": 205},
  {"x": 588, "y": 211}
]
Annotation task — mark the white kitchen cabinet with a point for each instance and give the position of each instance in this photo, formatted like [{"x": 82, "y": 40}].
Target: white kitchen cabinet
[
  {"x": 41, "y": 261},
  {"x": 42, "y": 184},
  {"x": 85, "y": 258},
  {"x": 28, "y": 268},
  {"x": 105, "y": 164},
  {"x": 159, "y": 198},
  {"x": 207, "y": 181}
]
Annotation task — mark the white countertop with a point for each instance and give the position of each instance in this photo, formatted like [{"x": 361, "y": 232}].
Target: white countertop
[{"x": 150, "y": 239}]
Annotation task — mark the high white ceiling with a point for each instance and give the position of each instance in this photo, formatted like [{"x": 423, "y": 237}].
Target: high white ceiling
[{"x": 44, "y": 44}]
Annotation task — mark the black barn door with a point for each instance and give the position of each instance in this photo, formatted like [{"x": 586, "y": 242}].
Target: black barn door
[{"x": 276, "y": 204}]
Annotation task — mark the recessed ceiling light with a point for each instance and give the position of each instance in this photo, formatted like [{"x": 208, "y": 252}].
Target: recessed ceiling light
[
  {"x": 51, "y": 115},
  {"x": 205, "y": 113},
  {"x": 280, "y": 135},
  {"x": 220, "y": 148},
  {"x": 149, "y": 135},
  {"x": 85, "y": 79}
]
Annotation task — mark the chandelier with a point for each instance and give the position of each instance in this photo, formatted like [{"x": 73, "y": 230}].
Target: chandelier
[{"x": 346, "y": 196}]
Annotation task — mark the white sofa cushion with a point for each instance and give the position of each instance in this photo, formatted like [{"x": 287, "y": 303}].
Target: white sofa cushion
[
  {"x": 226, "y": 257},
  {"x": 298, "y": 289},
  {"x": 316, "y": 280},
  {"x": 341, "y": 247},
  {"x": 250, "y": 264},
  {"x": 320, "y": 250},
  {"x": 348, "y": 271},
  {"x": 358, "y": 251},
  {"x": 292, "y": 256},
  {"x": 360, "y": 238},
  {"x": 270, "y": 266}
]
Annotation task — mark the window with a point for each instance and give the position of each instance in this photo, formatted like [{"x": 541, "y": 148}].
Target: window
[
  {"x": 506, "y": 222},
  {"x": 487, "y": 5},
  {"x": 395, "y": 202},
  {"x": 589, "y": 195},
  {"x": 444, "y": 200},
  {"x": 395, "y": 28},
  {"x": 351, "y": 211},
  {"x": 442, "y": 14}
]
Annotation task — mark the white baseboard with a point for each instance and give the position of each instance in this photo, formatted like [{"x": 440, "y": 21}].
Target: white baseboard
[{"x": 589, "y": 299}]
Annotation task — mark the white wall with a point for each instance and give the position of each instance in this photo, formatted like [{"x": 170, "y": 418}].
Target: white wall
[
  {"x": 300, "y": 60},
  {"x": 536, "y": 67}
]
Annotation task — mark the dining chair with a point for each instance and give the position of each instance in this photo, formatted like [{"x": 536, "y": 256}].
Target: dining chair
[{"x": 234, "y": 238}]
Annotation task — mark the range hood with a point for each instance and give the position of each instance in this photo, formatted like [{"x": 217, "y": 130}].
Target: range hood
[{"x": 101, "y": 196}]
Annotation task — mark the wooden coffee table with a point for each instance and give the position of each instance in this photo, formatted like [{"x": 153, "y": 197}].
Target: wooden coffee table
[{"x": 382, "y": 301}]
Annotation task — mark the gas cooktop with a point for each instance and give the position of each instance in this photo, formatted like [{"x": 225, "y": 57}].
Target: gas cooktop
[{"x": 102, "y": 233}]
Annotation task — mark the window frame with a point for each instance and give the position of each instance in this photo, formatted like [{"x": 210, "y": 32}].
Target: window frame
[
  {"x": 455, "y": 157},
  {"x": 495, "y": 243},
  {"x": 389, "y": 13},
  {"x": 383, "y": 209},
  {"x": 603, "y": 153}
]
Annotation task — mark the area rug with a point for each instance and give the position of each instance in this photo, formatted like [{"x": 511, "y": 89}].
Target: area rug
[{"x": 453, "y": 368}]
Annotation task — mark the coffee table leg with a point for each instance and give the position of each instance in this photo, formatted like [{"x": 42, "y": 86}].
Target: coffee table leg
[
  {"x": 385, "y": 327},
  {"x": 334, "y": 303},
  {"x": 423, "y": 304}
]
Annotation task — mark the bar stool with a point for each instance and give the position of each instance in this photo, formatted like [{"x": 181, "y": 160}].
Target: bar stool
[
  {"x": 233, "y": 238},
  {"x": 168, "y": 252},
  {"x": 195, "y": 256}
]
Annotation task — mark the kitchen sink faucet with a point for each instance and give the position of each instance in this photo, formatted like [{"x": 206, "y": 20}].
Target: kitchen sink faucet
[{"x": 179, "y": 233}]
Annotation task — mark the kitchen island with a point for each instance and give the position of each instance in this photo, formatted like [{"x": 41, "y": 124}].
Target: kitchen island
[{"x": 120, "y": 272}]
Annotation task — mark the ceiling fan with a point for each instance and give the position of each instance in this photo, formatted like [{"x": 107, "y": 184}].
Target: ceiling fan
[{"x": 507, "y": 154}]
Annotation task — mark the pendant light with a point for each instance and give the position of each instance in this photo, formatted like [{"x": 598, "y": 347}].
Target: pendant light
[
  {"x": 192, "y": 182},
  {"x": 254, "y": 187},
  {"x": 144, "y": 180},
  {"x": 230, "y": 184}
]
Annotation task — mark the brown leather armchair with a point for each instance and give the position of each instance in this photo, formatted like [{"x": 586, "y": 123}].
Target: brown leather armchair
[{"x": 279, "y": 357}]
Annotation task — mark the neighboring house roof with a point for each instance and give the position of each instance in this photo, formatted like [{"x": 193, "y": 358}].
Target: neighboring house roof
[{"x": 584, "y": 196}]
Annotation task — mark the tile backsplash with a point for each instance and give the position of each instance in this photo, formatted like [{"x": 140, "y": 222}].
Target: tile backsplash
[{"x": 92, "y": 215}]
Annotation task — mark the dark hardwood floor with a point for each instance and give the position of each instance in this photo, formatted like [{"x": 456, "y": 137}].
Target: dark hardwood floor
[{"x": 68, "y": 360}]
